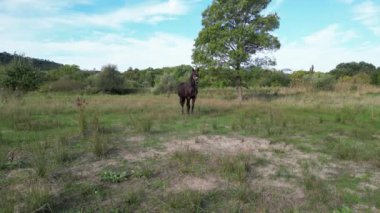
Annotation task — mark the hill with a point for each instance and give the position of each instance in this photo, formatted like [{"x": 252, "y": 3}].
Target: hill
[{"x": 42, "y": 64}]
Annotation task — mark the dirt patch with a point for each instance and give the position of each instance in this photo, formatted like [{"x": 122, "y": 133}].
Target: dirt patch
[
  {"x": 196, "y": 183},
  {"x": 282, "y": 168},
  {"x": 87, "y": 171}
]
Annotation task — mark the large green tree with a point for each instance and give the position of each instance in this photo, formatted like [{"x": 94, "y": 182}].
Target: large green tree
[
  {"x": 21, "y": 75},
  {"x": 234, "y": 31}
]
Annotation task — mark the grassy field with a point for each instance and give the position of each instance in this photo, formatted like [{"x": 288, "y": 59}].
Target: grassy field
[{"x": 281, "y": 150}]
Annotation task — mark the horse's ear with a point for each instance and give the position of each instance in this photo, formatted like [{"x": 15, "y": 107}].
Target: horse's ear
[{"x": 193, "y": 70}]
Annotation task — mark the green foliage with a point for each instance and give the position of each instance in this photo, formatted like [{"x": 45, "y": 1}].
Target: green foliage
[
  {"x": 71, "y": 72},
  {"x": 113, "y": 177},
  {"x": 273, "y": 79},
  {"x": 166, "y": 84},
  {"x": 233, "y": 31},
  {"x": 63, "y": 85},
  {"x": 110, "y": 80},
  {"x": 352, "y": 68},
  {"x": 41, "y": 64},
  {"x": 375, "y": 77},
  {"x": 21, "y": 75},
  {"x": 323, "y": 82}
]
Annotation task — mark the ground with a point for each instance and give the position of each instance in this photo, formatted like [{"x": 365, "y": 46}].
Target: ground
[{"x": 283, "y": 151}]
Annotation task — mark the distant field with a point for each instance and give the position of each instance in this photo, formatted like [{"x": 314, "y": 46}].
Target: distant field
[{"x": 280, "y": 150}]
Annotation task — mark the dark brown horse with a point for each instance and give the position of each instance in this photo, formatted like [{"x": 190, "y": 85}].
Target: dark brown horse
[{"x": 188, "y": 91}]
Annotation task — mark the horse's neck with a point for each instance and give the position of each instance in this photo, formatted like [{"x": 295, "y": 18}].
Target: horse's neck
[{"x": 192, "y": 83}]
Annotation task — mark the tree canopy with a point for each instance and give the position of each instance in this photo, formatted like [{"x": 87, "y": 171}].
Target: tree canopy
[{"x": 233, "y": 32}]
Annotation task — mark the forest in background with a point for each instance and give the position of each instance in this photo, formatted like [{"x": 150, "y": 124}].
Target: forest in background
[{"x": 21, "y": 73}]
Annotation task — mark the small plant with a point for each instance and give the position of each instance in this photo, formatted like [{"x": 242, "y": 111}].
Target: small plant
[
  {"x": 143, "y": 172},
  {"x": 114, "y": 177},
  {"x": 344, "y": 209},
  {"x": 81, "y": 104}
]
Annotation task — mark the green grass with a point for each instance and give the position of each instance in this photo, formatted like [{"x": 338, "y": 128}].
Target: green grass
[{"x": 64, "y": 148}]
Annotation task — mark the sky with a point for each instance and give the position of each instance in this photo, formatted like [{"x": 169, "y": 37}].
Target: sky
[{"x": 159, "y": 33}]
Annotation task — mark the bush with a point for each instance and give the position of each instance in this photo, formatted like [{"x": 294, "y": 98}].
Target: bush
[
  {"x": 275, "y": 79},
  {"x": 324, "y": 82},
  {"x": 166, "y": 84},
  {"x": 21, "y": 75},
  {"x": 64, "y": 85},
  {"x": 110, "y": 80}
]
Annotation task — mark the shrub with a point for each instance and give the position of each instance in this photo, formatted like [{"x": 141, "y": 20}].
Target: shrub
[
  {"x": 21, "y": 75},
  {"x": 110, "y": 80},
  {"x": 64, "y": 85},
  {"x": 324, "y": 82},
  {"x": 166, "y": 84}
]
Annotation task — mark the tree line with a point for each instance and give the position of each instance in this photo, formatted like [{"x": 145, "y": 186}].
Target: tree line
[{"x": 22, "y": 74}]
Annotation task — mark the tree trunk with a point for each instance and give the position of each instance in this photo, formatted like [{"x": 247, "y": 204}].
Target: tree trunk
[{"x": 239, "y": 87}]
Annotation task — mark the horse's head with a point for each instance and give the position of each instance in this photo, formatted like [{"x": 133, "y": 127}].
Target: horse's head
[{"x": 195, "y": 75}]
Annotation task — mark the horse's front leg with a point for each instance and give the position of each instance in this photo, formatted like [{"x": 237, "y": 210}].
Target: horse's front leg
[
  {"x": 192, "y": 105},
  {"x": 182, "y": 102}
]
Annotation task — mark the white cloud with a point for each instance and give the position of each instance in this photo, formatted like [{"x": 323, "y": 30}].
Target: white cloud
[
  {"x": 55, "y": 12},
  {"x": 49, "y": 29},
  {"x": 150, "y": 13},
  {"x": 368, "y": 13},
  {"x": 325, "y": 49},
  {"x": 111, "y": 48}
]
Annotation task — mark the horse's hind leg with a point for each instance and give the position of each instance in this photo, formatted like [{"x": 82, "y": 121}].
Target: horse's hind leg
[
  {"x": 188, "y": 105},
  {"x": 192, "y": 105},
  {"x": 182, "y": 102}
]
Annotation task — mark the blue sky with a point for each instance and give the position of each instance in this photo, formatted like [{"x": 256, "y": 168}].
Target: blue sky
[{"x": 157, "y": 33}]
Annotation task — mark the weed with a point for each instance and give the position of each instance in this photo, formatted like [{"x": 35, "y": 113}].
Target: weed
[
  {"x": 99, "y": 144},
  {"x": 40, "y": 159},
  {"x": 37, "y": 199},
  {"x": 61, "y": 150},
  {"x": 81, "y": 104},
  {"x": 143, "y": 171},
  {"x": 344, "y": 209},
  {"x": 114, "y": 177}
]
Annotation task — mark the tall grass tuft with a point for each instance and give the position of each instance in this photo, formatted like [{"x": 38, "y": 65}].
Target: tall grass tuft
[
  {"x": 81, "y": 104},
  {"x": 98, "y": 140},
  {"x": 235, "y": 168},
  {"x": 39, "y": 159},
  {"x": 37, "y": 199},
  {"x": 143, "y": 124},
  {"x": 61, "y": 150}
]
